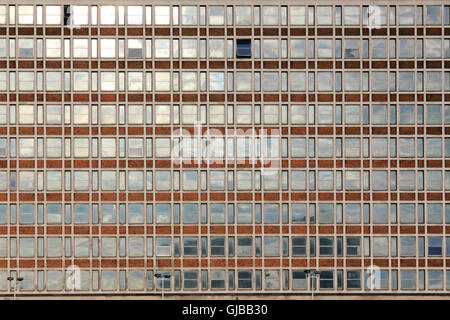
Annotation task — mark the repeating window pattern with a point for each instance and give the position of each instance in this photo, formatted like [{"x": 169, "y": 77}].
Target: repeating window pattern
[{"x": 353, "y": 101}]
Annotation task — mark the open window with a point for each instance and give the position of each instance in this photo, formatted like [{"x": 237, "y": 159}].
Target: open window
[
  {"x": 243, "y": 48},
  {"x": 67, "y": 15}
]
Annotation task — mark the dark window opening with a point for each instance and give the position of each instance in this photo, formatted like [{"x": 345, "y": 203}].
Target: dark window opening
[
  {"x": 243, "y": 48},
  {"x": 67, "y": 15}
]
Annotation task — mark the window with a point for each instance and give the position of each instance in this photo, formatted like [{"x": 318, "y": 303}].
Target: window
[
  {"x": 379, "y": 81},
  {"x": 135, "y": 180},
  {"x": 406, "y": 48},
  {"x": 299, "y": 246},
  {"x": 298, "y": 83},
  {"x": 380, "y": 246},
  {"x": 326, "y": 246},
  {"x": 298, "y": 48},
  {"x": 217, "y": 246},
  {"x": 135, "y": 81},
  {"x": 270, "y": 48},
  {"x": 406, "y": 81},
  {"x": 433, "y": 114},
  {"x": 244, "y": 279},
  {"x": 298, "y": 213},
  {"x": 189, "y": 48},
  {"x": 434, "y": 213},
  {"x": 216, "y": 81},
  {"x": 162, "y": 114},
  {"x": 271, "y": 246},
  {"x": 26, "y": 213},
  {"x": 162, "y": 81},
  {"x": 108, "y": 81},
  {"x": 353, "y": 245},
  {"x": 324, "y": 15},
  {"x": 107, "y": 14},
  {"x": 270, "y": 81},
  {"x": 326, "y": 279},
  {"x": 272, "y": 279},
  {"x": 407, "y": 246},
  {"x": 162, "y": 48},
  {"x": 54, "y": 180},
  {"x": 433, "y": 48},
  {"x": 134, "y": 15},
  {"x": 297, "y": 15},
  {"x": 26, "y": 147},
  {"x": 3, "y": 48},
  {"x": 433, "y": 80},
  {"x": 244, "y": 213},
  {"x": 243, "y": 81},
  {"x": 433, "y": 15},
  {"x": 189, "y": 81},
  {"x": 353, "y": 213},
  {"x": 351, "y": 48},
  {"x": 406, "y": 15},
  {"x": 54, "y": 213},
  {"x": 270, "y": 15},
  {"x": 217, "y": 180},
  {"x": 351, "y": 15},
  {"x": 324, "y": 81},
  {"x": 162, "y": 15},
  {"x": 324, "y": 48},
  {"x": 80, "y": 213},
  {"x": 407, "y": 180},
  {"x": 80, "y": 81},
  {"x": 243, "y": 15},
  {"x": 216, "y": 15},
  {"x": 26, "y": 247},
  {"x": 53, "y": 81},
  {"x": 243, "y": 48},
  {"x": 352, "y": 81},
  {"x": 80, "y": 15},
  {"x": 53, "y": 48},
  {"x": 353, "y": 279},
  {"x": 135, "y": 49},
  {"x": 244, "y": 246},
  {"x": 53, "y": 15},
  {"x": 54, "y": 147},
  {"x": 435, "y": 279},
  {"x": 81, "y": 247},
  {"x": 190, "y": 279},
  {"x": 26, "y": 48},
  {"x": 408, "y": 279},
  {"x": 217, "y": 48},
  {"x": 377, "y": 15},
  {"x": 108, "y": 147},
  {"x": 107, "y": 48},
  {"x": 435, "y": 246},
  {"x": 26, "y": 14},
  {"x": 189, "y": 15},
  {"x": 217, "y": 279},
  {"x": 108, "y": 180},
  {"x": 406, "y": 114},
  {"x": 326, "y": 213}
]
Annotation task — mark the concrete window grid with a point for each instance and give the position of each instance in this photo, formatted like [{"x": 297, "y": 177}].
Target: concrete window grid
[{"x": 307, "y": 101}]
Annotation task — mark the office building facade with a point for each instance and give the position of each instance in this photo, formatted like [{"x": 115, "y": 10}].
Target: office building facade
[{"x": 222, "y": 148}]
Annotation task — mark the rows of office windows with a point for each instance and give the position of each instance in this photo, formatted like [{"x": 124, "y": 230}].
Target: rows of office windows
[
  {"x": 269, "y": 81},
  {"x": 268, "y": 279},
  {"x": 221, "y": 213},
  {"x": 216, "y": 48},
  {"x": 216, "y": 15},
  {"x": 218, "y": 148},
  {"x": 241, "y": 246},
  {"x": 220, "y": 114},
  {"x": 241, "y": 180}
]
